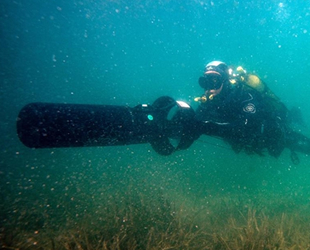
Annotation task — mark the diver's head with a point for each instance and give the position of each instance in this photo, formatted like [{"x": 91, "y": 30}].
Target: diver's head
[{"x": 216, "y": 75}]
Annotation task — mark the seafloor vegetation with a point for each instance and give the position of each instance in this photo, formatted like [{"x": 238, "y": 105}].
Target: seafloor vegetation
[
  {"x": 133, "y": 201},
  {"x": 134, "y": 219}
]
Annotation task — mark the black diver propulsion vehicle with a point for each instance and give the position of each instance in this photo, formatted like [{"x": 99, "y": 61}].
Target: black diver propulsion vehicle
[
  {"x": 168, "y": 125},
  {"x": 49, "y": 125}
]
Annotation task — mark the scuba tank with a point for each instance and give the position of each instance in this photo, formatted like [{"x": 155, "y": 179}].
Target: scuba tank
[{"x": 253, "y": 81}]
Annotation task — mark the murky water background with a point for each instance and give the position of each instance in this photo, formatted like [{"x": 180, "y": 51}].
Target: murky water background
[{"x": 126, "y": 53}]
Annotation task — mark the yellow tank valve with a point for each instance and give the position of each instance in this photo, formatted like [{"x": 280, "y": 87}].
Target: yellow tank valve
[{"x": 240, "y": 70}]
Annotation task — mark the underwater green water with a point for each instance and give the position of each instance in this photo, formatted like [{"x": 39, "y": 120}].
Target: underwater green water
[{"x": 132, "y": 52}]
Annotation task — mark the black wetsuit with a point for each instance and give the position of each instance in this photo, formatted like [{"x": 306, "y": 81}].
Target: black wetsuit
[{"x": 244, "y": 118}]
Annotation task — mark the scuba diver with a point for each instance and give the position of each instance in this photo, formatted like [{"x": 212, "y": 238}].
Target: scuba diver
[
  {"x": 252, "y": 118},
  {"x": 236, "y": 106}
]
